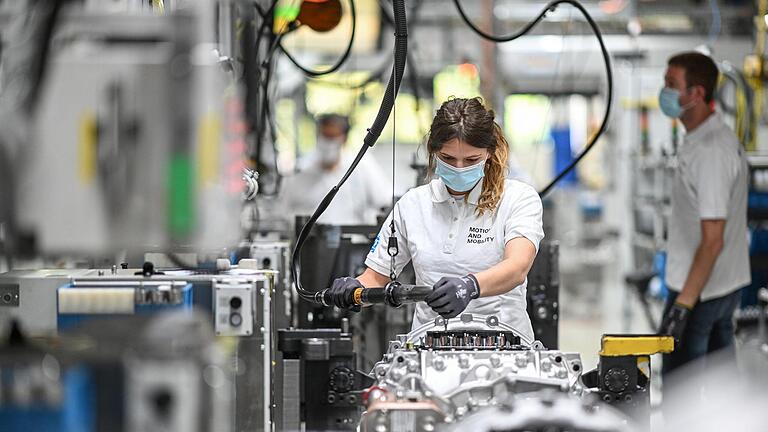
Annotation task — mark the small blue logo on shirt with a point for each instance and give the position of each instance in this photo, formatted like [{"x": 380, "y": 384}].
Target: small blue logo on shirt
[{"x": 375, "y": 243}]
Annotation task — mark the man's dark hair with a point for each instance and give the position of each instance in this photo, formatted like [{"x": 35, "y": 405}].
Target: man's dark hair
[
  {"x": 699, "y": 69},
  {"x": 334, "y": 119}
]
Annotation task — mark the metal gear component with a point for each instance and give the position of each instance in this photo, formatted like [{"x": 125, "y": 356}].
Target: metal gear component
[
  {"x": 435, "y": 376},
  {"x": 341, "y": 380},
  {"x": 616, "y": 380}
]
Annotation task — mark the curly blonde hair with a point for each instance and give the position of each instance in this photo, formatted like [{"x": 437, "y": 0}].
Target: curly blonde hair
[{"x": 469, "y": 121}]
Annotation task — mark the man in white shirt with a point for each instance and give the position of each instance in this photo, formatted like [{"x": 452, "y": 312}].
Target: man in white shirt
[
  {"x": 361, "y": 198},
  {"x": 708, "y": 256}
]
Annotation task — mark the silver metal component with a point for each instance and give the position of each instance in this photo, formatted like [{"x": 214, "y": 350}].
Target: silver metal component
[
  {"x": 466, "y": 321},
  {"x": 438, "y": 363},
  {"x": 251, "y": 188},
  {"x": 495, "y": 360},
  {"x": 546, "y": 365},
  {"x": 275, "y": 255},
  {"x": 533, "y": 411},
  {"x": 476, "y": 366},
  {"x": 463, "y": 361},
  {"x": 316, "y": 349},
  {"x": 522, "y": 360}
]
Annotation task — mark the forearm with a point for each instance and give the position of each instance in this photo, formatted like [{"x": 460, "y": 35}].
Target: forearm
[
  {"x": 502, "y": 278},
  {"x": 698, "y": 275},
  {"x": 519, "y": 254},
  {"x": 372, "y": 279}
]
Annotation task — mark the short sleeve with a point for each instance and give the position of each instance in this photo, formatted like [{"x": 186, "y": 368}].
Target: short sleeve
[
  {"x": 524, "y": 218},
  {"x": 378, "y": 258},
  {"x": 713, "y": 176}
]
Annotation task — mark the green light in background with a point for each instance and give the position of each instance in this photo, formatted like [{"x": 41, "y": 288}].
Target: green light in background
[
  {"x": 287, "y": 12},
  {"x": 181, "y": 214}
]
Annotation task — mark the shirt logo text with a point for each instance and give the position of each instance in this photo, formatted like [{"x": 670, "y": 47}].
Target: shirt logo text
[{"x": 479, "y": 235}]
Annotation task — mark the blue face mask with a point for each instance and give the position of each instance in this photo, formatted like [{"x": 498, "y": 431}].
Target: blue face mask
[
  {"x": 460, "y": 179},
  {"x": 669, "y": 102}
]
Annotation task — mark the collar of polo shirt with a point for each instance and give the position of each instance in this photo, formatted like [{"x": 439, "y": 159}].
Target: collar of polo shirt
[
  {"x": 710, "y": 124},
  {"x": 440, "y": 192}
]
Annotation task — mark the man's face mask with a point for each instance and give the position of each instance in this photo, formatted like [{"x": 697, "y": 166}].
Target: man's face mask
[
  {"x": 460, "y": 179},
  {"x": 669, "y": 102},
  {"x": 329, "y": 149}
]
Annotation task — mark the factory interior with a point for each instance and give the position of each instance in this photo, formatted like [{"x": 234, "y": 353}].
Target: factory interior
[{"x": 383, "y": 215}]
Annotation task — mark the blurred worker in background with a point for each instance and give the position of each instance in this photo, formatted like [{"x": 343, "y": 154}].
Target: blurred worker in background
[
  {"x": 361, "y": 198},
  {"x": 708, "y": 257},
  {"x": 471, "y": 234}
]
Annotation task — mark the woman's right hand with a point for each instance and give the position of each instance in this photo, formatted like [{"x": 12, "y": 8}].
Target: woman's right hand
[{"x": 342, "y": 291}]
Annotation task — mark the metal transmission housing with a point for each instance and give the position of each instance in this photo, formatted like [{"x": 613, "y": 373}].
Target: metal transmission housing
[{"x": 444, "y": 371}]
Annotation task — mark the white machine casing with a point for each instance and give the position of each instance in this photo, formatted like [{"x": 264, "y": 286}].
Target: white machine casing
[{"x": 140, "y": 137}]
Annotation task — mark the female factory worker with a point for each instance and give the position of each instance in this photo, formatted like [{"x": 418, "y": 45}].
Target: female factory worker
[{"x": 471, "y": 233}]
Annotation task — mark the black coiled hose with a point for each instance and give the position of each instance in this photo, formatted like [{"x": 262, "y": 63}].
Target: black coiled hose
[{"x": 401, "y": 54}]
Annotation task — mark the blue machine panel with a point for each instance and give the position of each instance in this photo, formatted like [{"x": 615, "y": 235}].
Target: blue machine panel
[{"x": 74, "y": 413}]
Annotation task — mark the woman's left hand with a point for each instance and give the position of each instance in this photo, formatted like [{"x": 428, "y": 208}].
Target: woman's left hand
[{"x": 451, "y": 295}]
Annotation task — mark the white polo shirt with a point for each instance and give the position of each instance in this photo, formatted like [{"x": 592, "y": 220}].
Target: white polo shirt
[
  {"x": 711, "y": 182},
  {"x": 357, "y": 203},
  {"x": 443, "y": 236}
]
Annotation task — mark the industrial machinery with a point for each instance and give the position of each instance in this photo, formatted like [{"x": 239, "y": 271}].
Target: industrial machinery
[
  {"x": 150, "y": 149},
  {"x": 273, "y": 255},
  {"x": 237, "y": 306},
  {"x": 471, "y": 372},
  {"x": 545, "y": 411},
  {"x": 623, "y": 375},
  {"x": 322, "y": 386},
  {"x": 129, "y": 374},
  {"x": 543, "y": 294},
  {"x": 445, "y": 371}
]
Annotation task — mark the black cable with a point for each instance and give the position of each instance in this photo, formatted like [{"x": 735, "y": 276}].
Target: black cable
[
  {"x": 339, "y": 62},
  {"x": 413, "y": 75},
  {"x": 388, "y": 102},
  {"x": 551, "y": 6}
]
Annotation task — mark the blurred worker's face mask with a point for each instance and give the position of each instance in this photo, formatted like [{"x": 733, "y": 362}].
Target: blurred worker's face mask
[
  {"x": 329, "y": 150},
  {"x": 460, "y": 179},
  {"x": 669, "y": 102}
]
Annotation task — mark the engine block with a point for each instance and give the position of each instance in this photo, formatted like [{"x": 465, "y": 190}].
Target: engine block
[{"x": 445, "y": 371}]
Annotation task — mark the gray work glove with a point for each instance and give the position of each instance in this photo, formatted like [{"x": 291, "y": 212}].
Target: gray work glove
[
  {"x": 451, "y": 295},
  {"x": 673, "y": 323},
  {"x": 342, "y": 291}
]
